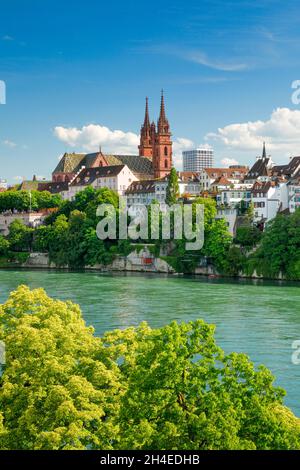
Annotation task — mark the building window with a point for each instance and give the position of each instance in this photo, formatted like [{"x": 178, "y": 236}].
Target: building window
[
  {"x": 166, "y": 163},
  {"x": 166, "y": 151}
]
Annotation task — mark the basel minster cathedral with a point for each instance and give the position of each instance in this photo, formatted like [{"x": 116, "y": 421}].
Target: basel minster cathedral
[{"x": 154, "y": 160}]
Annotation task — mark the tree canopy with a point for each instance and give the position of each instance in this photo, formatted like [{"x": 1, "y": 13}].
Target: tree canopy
[
  {"x": 139, "y": 388},
  {"x": 172, "y": 188},
  {"x": 23, "y": 201}
]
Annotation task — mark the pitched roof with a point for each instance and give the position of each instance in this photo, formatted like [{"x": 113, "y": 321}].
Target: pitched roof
[
  {"x": 53, "y": 188},
  {"x": 260, "y": 168},
  {"x": 222, "y": 180},
  {"x": 289, "y": 169},
  {"x": 70, "y": 163},
  {"x": 144, "y": 186},
  {"x": 29, "y": 185},
  {"x": 261, "y": 187},
  {"x": 188, "y": 176},
  {"x": 140, "y": 166},
  {"x": 73, "y": 162},
  {"x": 88, "y": 175},
  {"x": 237, "y": 172}
]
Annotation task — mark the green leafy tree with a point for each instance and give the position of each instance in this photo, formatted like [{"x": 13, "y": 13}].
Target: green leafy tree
[
  {"x": 59, "y": 241},
  {"x": 217, "y": 243},
  {"x": 250, "y": 213},
  {"x": 279, "y": 249},
  {"x": 248, "y": 236},
  {"x": 57, "y": 386},
  {"x": 172, "y": 188},
  {"x": 20, "y": 236},
  {"x": 46, "y": 200},
  {"x": 4, "y": 246},
  {"x": 139, "y": 388}
]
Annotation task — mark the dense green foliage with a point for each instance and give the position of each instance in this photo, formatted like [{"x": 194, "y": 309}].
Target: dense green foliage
[
  {"x": 172, "y": 193},
  {"x": 24, "y": 200},
  {"x": 216, "y": 242},
  {"x": 279, "y": 250},
  {"x": 248, "y": 236},
  {"x": 140, "y": 388},
  {"x": 20, "y": 236},
  {"x": 69, "y": 236}
]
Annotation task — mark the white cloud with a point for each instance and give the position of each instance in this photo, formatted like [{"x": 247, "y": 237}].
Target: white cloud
[
  {"x": 281, "y": 132},
  {"x": 229, "y": 161},
  {"x": 89, "y": 137},
  {"x": 225, "y": 66},
  {"x": 195, "y": 55},
  {"x": 9, "y": 143}
]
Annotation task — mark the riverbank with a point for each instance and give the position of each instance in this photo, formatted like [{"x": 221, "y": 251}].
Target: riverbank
[{"x": 138, "y": 261}]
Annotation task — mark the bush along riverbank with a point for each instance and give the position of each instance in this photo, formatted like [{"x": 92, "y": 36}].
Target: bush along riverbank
[{"x": 68, "y": 239}]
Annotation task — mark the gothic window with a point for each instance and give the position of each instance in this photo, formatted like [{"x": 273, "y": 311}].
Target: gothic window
[
  {"x": 166, "y": 163},
  {"x": 166, "y": 151}
]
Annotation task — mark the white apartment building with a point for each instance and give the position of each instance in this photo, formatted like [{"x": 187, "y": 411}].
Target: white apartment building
[
  {"x": 294, "y": 194},
  {"x": 117, "y": 178},
  {"x": 269, "y": 199},
  {"x": 197, "y": 159},
  {"x": 232, "y": 197}
]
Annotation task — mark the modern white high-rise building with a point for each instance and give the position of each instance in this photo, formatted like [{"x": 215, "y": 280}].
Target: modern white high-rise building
[{"x": 198, "y": 159}]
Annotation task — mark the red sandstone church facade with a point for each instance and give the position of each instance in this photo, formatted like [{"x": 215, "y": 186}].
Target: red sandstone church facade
[
  {"x": 154, "y": 159},
  {"x": 156, "y": 144}
]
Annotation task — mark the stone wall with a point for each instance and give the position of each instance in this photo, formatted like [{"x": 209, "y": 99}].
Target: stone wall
[{"x": 137, "y": 261}]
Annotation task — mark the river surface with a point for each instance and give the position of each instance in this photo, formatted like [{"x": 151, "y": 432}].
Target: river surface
[{"x": 259, "y": 318}]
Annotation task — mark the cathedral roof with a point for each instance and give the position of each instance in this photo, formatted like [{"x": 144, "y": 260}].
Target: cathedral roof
[
  {"x": 73, "y": 162},
  {"x": 70, "y": 163}
]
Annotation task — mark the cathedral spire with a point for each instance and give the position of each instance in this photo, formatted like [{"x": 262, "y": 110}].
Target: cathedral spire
[
  {"x": 163, "y": 123},
  {"x": 146, "y": 120},
  {"x": 162, "y": 148},
  {"x": 145, "y": 147},
  {"x": 162, "y": 115},
  {"x": 264, "y": 154}
]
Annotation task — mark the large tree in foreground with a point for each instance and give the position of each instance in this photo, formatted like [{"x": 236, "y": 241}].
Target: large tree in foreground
[{"x": 141, "y": 388}]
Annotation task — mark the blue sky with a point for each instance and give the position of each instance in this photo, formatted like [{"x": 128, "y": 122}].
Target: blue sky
[{"x": 77, "y": 72}]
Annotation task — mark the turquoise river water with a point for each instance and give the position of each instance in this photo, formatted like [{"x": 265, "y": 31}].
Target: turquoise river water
[{"x": 259, "y": 318}]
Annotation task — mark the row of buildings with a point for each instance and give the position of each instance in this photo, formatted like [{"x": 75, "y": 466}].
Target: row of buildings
[{"x": 143, "y": 177}]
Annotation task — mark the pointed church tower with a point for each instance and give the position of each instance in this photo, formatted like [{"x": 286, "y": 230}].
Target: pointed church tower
[
  {"x": 264, "y": 153},
  {"x": 162, "y": 149},
  {"x": 146, "y": 147}
]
